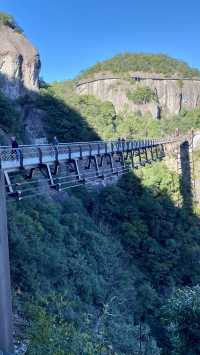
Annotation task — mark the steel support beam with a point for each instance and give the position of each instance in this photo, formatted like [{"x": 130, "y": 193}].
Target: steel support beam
[
  {"x": 50, "y": 176},
  {"x": 8, "y": 182},
  {"x": 77, "y": 169},
  {"x": 96, "y": 165},
  {"x": 132, "y": 159},
  {"x": 6, "y": 327},
  {"x": 111, "y": 163},
  {"x": 146, "y": 155},
  {"x": 152, "y": 157}
]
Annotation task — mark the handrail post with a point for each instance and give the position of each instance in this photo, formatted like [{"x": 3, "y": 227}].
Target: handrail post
[
  {"x": 90, "y": 150},
  {"x": 6, "y": 323},
  {"x": 123, "y": 146},
  {"x": 106, "y": 148},
  {"x": 156, "y": 149},
  {"x": 112, "y": 147},
  {"x": 40, "y": 155},
  {"x": 69, "y": 152},
  {"x": 81, "y": 152},
  {"x": 56, "y": 154},
  {"x": 21, "y": 158}
]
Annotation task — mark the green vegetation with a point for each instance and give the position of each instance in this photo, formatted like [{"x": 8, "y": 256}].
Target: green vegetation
[
  {"x": 133, "y": 125},
  {"x": 92, "y": 271},
  {"x": 52, "y": 334},
  {"x": 101, "y": 118},
  {"x": 182, "y": 315},
  {"x": 10, "y": 121},
  {"x": 63, "y": 120},
  {"x": 141, "y": 95},
  {"x": 149, "y": 63},
  {"x": 75, "y": 118},
  {"x": 98, "y": 272},
  {"x": 8, "y": 20},
  {"x": 180, "y": 83},
  {"x": 102, "y": 262}
]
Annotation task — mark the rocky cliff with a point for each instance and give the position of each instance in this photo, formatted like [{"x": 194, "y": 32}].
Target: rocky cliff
[
  {"x": 170, "y": 94},
  {"x": 19, "y": 64}
]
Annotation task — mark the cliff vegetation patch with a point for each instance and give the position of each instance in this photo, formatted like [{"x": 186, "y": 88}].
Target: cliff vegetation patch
[
  {"x": 8, "y": 20},
  {"x": 141, "y": 95}
]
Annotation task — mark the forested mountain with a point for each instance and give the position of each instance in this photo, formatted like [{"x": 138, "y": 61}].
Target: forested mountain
[
  {"x": 108, "y": 271},
  {"x": 147, "y": 83},
  {"x": 108, "y": 124},
  {"x": 142, "y": 62}
]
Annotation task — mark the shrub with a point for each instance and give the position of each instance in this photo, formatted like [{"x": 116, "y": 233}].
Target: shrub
[
  {"x": 180, "y": 83},
  {"x": 51, "y": 334},
  {"x": 182, "y": 315},
  {"x": 142, "y": 95},
  {"x": 8, "y": 20}
]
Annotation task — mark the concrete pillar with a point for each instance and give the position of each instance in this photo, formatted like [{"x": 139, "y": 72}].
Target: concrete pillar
[{"x": 6, "y": 328}]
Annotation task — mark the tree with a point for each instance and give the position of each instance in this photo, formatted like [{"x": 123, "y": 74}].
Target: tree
[
  {"x": 182, "y": 316},
  {"x": 141, "y": 95}
]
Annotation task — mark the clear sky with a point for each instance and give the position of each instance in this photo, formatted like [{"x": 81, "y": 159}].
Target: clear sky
[{"x": 71, "y": 35}]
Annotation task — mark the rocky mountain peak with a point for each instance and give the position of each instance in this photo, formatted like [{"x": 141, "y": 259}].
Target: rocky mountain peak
[{"x": 19, "y": 63}]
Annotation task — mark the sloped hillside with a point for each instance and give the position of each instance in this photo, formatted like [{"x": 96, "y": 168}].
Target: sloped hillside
[
  {"x": 141, "y": 62},
  {"x": 104, "y": 120},
  {"x": 95, "y": 272}
]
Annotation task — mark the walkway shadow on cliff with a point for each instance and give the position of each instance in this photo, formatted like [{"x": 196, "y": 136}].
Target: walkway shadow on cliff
[
  {"x": 44, "y": 114},
  {"x": 63, "y": 120},
  {"x": 186, "y": 176},
  {"x": 158, "y": 238}
]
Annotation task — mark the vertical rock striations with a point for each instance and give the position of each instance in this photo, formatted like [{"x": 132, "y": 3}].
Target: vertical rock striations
[
  {"x": 19, "y": 64},
  {"x": 170, "y": 94}
]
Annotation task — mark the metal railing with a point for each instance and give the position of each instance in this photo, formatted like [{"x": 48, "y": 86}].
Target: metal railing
[{"x": 28, "y": 153}]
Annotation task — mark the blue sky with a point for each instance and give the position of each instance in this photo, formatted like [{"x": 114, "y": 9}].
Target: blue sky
[{"x": 71, "y": 35}]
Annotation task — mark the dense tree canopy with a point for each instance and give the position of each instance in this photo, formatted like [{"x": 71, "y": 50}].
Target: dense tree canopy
[
  {"x": 182, "y": 315},
  {"x": 95, "y": 271},
  {"x": 150, "y": 63},
  {"x": 110, "y": 256}
]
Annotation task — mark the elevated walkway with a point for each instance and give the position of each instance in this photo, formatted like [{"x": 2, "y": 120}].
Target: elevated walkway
[
  {"x": 29, "y": 156},
  {"x": 67, "y": 165}
]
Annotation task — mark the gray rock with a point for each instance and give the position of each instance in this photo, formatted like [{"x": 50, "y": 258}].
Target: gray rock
[
  {"x": 19, "y": 64},
  {"x": 172, "y": 94},
  {"x": 33, "y": 118}
]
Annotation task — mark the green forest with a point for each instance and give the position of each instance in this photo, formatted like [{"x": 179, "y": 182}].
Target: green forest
[
  {"x": 109, "y": 271},
  {"x": 142, "y": 62},
  {"x": 102, "y": 268},
  {"x": 114, "y": 270},
  {"x": 101, "y": 119}
]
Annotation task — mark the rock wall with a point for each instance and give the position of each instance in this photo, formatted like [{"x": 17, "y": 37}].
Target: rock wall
[
  {"x": 19, "y": 64},
  {"x": 19, "y": 75},
  {"x": 172, "y": 94}
]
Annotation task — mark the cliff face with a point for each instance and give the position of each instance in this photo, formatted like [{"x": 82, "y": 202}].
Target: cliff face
[
  {"x": 19, "y": 64},
  {"x": 171, "y": 94}
]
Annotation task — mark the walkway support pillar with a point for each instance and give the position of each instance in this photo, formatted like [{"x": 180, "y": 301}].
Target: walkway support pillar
[{"x": 6, "y": 326}]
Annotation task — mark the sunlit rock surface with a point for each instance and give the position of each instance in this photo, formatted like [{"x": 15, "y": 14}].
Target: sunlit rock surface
[{"x": 19, "y": 64}]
